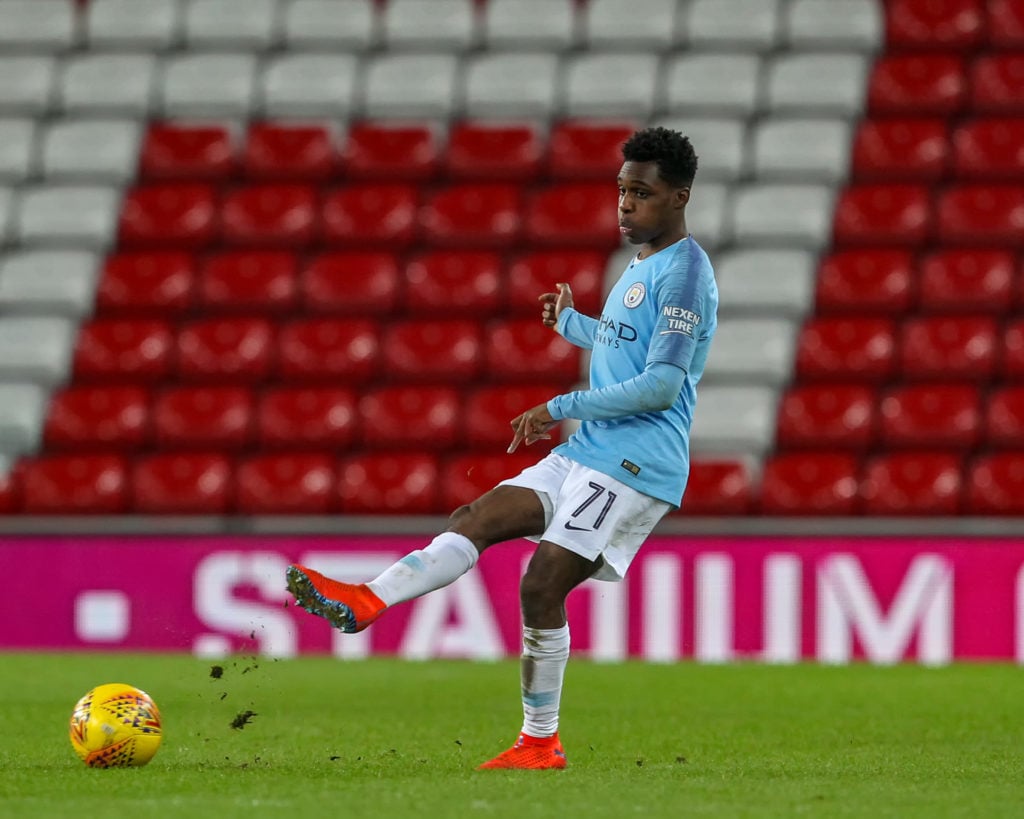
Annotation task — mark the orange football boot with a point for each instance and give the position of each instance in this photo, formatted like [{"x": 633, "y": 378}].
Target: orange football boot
[
  {"x": 346, "y": 606},
  {"x": 533, "y": 753}
]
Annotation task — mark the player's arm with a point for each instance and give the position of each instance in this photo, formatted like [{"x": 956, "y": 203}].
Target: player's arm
[
  {"x": 654, "y": 390},
  {"x": 559, "y": 314}
]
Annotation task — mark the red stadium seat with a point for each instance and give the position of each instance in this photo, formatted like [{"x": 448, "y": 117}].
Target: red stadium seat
[
  {"x": 586, "y": 150},
  {"x": 140, "y": 351},
  {"x": 483, "y": 215},
  {"x": 464, "y": 478},
  {"x": 180, "y": 483},
  {"x": 995, "y": 485},
  {"x": 946, "y": 416},
  {"x": 262, "y": 281},
  {"x": 482, "y": 151},
  {"x": 75, "y": 485},
  {"x": 97, "y": 418},
  {"x": 537, "y": 271},
  {"x": 11, "y": 491},
  {"x": 1004, "y": 418},
  {"x": 160, "y": 283},
  {"x": 997, "y": 84},
  {"x": 226, "y": 349},
  {"x": 454, "y": 281},
  {"x": 519, "y": 349},
  {"x": 203, "y": 418},
  {"x": 866, "y": 281},
  {"x": 293, "y": 417},
  {"x": 967, "y": 281},
  {"x": 917, "y": 85},
  {"x": 846, "y": 349},
  {"x": 368, "y": 214},
  {"x": 941, "y": 347},
  {"x": 934, "y": 24},
  {"x": 389, "y": 483},
  {"x": 343, "y": 351},
  {"x": 287, "y": 483},
  {"x": 573, "y": 214},
  {"x": 187, "y": 153},
  {"x": 380, "y": 152},
  {"x": 175, "y": 216},
  {"x": 720, "y": 488},
  {"x": 990, "y": 149},
  {"x": 894, "y": 150},
  {"x": 292, "y": 153},
  {"x": 442, "y": 350},
  {"x": 913, "y": 483},
  {"x": 360, "y": 283},
  {"x": 1006, "y": 23},
  {"x": 883, "y": 215},
  {"x": 1013, "y": 350},
  {"x": 404, "y": 417},
  {"x": 279, "y": 214},
  {"x": 810, "y": 483},
  {"x": 840, "y": 416},
  {"x": 489, "y": 410},
  {"x": 979, "y": 214}
]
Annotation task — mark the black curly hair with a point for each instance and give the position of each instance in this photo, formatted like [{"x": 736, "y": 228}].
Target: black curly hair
[{"x": 673, "y": 153}]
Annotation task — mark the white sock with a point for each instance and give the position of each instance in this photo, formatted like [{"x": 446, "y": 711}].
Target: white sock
[
  {"x": 545, "y": 654},
  {"x": 447, "y": 557}
]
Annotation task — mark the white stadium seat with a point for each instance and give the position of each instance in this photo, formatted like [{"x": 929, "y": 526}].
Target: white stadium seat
[
  {"x": 718, "y": 83},
  {"x": 548, "y": 25},
  {"x": 720, "y": 144},
  {"x": 26, "y": 84},
  {"x": 814, "y": 24},
  {"x": 440, "y": 25},
  {"x": 77, "y": 215},
  {"x": 36, "y": 348},
  {"x": 91, "y": 150},
  {"x": 139, "y": 25},
  {"x": 8, "y": 203},
  {"x": 817, "y": 84},
  {"x": 345, "y": 25},
  {"x": 752, "y": 351},
  {"x": 407, "y": 85},
  {"x": 208, "y": 85},
  {"x": 17, "y": 149},
  {"x": 310, "y": 85},
  {"x": 783, "y": 215},
  {"x": 513, "y": 84},
  {"x": 53, "y": 282},
  {"x": 766, "y": 281},
  {"x": 600, "y": 84},
  {"x": 107, "y": 84},
  {"x": 751, "y": 25},
  {"x": 22, "y": 412},
  {"x": 734, "y": 420},
  {"x": 638, "y": 24},
  {"x": 706, "y": 212},
  {"x": 31, "y": 25},
  {"x": 801, "y": 150},
  {"x": 231, "y": 25}
]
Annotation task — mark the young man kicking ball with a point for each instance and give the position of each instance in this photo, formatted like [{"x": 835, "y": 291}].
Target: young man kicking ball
[{"x": 594, "y": 499}]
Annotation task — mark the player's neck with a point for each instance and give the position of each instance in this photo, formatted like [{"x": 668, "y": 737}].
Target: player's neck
[{"x": 665, "y": 240}]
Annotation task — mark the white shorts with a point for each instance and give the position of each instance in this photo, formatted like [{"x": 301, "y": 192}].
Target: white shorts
[{"x": 590, "y": 513}]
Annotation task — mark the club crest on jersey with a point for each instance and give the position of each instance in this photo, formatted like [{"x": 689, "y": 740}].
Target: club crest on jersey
[{"x": 635, "y": 295}]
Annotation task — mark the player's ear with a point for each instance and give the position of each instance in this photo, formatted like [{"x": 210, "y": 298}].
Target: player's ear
[{"x": 680, "y": 197}]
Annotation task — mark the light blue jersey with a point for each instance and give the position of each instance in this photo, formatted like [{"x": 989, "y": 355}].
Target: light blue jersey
[{"x": 662, "y": 311}]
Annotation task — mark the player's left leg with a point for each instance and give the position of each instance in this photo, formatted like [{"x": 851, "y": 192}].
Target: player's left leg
[{"x": 553, "y": 572}]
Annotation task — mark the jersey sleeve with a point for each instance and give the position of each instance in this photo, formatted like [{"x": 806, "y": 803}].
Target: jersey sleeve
[
  {"x": 687, "y": 308},
  {"x": 577, "y": 328}
]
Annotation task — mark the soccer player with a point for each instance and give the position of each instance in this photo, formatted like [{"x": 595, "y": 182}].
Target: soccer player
[{"x": 594, "y": 499}]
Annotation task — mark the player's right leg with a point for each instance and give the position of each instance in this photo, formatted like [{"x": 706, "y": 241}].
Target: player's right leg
[{"x": 504, "y": 513}]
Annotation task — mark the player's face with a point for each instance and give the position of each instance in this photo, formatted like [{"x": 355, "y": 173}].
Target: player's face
[{"x": 650, "y": 210}]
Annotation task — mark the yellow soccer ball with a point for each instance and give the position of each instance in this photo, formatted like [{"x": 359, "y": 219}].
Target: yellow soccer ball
[{"x": 115, "y": 726}]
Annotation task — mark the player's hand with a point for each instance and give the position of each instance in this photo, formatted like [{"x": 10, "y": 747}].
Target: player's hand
[
  {"x": 531, "y": 426},
  {"x": 555, "y": 303}
]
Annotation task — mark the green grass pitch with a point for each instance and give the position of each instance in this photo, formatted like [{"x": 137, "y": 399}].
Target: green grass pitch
[{"x": 385, "y": 738}]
